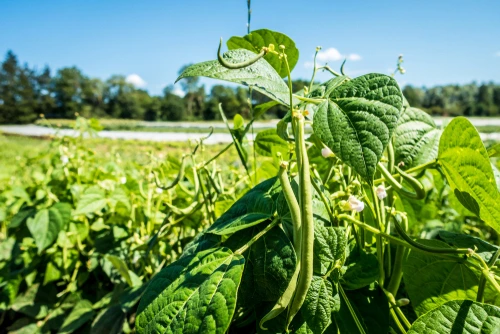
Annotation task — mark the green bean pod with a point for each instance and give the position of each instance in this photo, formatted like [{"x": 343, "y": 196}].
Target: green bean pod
[
  {"x": 305, "y": 198},
  {"x": 294, "y": 208},
  {"x": 236, "y": 66}
]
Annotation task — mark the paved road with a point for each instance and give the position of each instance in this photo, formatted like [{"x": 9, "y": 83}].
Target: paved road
[{"x": 39, "y": 131}]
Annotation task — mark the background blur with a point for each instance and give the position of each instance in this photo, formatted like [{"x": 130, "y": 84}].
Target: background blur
[{"x": 119, "y": 59}]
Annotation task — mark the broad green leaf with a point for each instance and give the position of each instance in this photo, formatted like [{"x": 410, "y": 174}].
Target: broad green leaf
[
  {"x": 329, "y": 247},
  {"x": 370, "y": 307},
  {"x": 196, "y": 294},
  {"x": 81, "y": 313},
  {"x": 260, "y": 76},
  {"x": 269, "y": 266},
  {"x": 201, "y": 242},
  {"x": 481, "y": 247},
  {"x": 268, "y": 142},
  {"x": 47, "y": 224},
  {"x": 360, "y": 270},
  {"x": 416, "y": 139},
  {"x": 431, "y": 281},
  {"x": 257, "y": 39},
  {"x": 261, "y": 109},
  {"x": 21, "y": 216},
  {"x": 253, "y": 208},
  {"x": 358, "y": 120},
  {"x": 92, "y": 200},
  {"x": 52, "y": 273},
  {"x": 121, "y": 267},
  {"x": 131, "y": 296},
  {"x": 319, "y": 304},
  {"x": 28, "y": 304},
  {"x": 24, "y": 326},
  {"x": 467, "y": 167},
  {"x": 109, "y": 321},
  {"x": 457, "y": 317}
]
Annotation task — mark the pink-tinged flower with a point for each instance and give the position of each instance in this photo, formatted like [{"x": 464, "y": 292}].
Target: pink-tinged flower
[
  {"x": 355, "y": 204},
  {"x": 327, "y": 153},
  {"x": 381, "y": 193}
]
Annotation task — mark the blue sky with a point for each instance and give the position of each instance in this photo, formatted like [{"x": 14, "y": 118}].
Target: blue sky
[{"x": 442, "y": 41}]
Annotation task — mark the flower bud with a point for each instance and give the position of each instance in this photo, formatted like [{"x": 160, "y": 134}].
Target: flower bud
[
  {"x": 402, "y": 302},
  {"x": 327, "y": 153},
  {"x": 355, "y": 204},
  {"x": 381, "y": 193}
]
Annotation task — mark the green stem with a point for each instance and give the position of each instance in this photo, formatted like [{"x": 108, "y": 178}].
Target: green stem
[
  {"x": 485, "y": 275},
  {"x": 419, "y": 191},
  {"x": 415, "y": 169},
  {"x": 314, "y": 70},
  {"x": 379, "y": 240},
  {"x": 402, "y": 233},
  {"x": 324, "y": 200},
  {"x": 351, "y": 310},
  {"x": 329, "y": 69},
  {"x": 256, "y": 237},
  {"x": 218, "y": 154},
  {"x": 396, "y": 320}
]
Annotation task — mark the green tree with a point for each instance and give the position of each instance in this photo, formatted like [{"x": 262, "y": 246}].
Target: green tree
[{"x": 17, "y": 94}]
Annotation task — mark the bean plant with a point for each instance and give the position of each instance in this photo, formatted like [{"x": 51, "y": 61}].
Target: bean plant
[
  {"x": 83, "y": 228},
  {"x": 331, "y": 242}
]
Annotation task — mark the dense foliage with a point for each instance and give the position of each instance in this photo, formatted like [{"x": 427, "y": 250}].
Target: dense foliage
[
  {"x": 25, "y": 93},
  {"x": 326, "y": 245},
  {"x": 373, "y": 221}
]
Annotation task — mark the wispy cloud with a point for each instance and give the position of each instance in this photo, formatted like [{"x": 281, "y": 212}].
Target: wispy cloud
[
  {"x": 330, "y": 55},
  {"x": 497, "y": 54},
  {"x": 136, "y": 80}
]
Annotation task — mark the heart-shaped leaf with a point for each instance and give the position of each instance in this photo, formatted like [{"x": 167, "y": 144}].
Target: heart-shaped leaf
[
  {"x": 257, "y": 39},
  {"x": 358, "y": 120}
]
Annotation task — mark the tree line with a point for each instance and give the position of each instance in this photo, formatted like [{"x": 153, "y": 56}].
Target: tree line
[{"x": 25, "y": 93}]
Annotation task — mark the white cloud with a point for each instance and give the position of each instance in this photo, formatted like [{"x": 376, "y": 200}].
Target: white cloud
[
  {"x": 136, "y": 80},
  {"x": 354, "y": 57},
  {"x": 497, "y": 54},
  {"x": 179, "y": 92},
  {"x": 332, "y": 54}
]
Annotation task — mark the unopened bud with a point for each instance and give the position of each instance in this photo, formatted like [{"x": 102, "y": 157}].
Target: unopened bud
[
  {"x": 402, "y": 302},
  {"x": 282, "y": 47}
]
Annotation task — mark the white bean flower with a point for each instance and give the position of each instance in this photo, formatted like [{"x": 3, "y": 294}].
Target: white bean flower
[
  {"x": 159, "y": 190},
  {"x": 381, "y": 193},
  {"x": 355, "y": 204},
  {"x": 64, "y": 160},
  {"x": 123, "y": 180},
  {"x": 327, "y": 153}
]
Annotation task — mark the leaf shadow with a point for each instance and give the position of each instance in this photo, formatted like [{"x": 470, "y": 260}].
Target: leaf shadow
[{"x": 459, "y": 323}]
